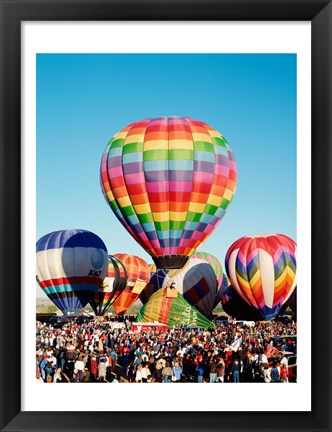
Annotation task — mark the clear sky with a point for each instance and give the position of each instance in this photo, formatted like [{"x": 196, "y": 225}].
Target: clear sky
[{"x": 84, "y": 99}]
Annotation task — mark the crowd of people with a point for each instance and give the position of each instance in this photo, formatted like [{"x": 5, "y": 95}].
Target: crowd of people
[{"x": 231, "y": 351}]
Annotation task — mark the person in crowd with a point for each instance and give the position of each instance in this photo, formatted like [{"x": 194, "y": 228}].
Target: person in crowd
[
  {"x": 235, "y": 371},
  {"x": 177, "y": 372},
  {"x": 167, "y": 373},
  {"x": 139, "y": 376},
  {"x": 102, "y": 368},
  {"x": 220, "y": 371},
  {"x": 275, "y": 373},
  {"x": 199, "y": 371},
  {"x": 267, "y": 373},
  {"x": 79, "y": 367}
]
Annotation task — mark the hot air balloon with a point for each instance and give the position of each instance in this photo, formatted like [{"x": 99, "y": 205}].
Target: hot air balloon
[
  {"x": 71, "y": 266},
  {"x": 221, "y": 277},
  {"x": 262, "y": 270},
  {"x": 169, "y": 181},
  {"x": 236, "y": 307},
  {"x": 221, "y": 290},
  {"x": 138, "y": 274},
  {"x": 113, "y": 285},
  {"x": 214, "y": 262},
  {"x": 291, "y": 303},
  {"x": 155, "y": 283},
  {"x": 196, "y": 281},
  {"x": 171, "y": 310}
]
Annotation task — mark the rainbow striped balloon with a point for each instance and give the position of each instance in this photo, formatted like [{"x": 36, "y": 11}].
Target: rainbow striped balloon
[
  {"x": 169, "y": 181},
  {"x": 262, "y": 270}
]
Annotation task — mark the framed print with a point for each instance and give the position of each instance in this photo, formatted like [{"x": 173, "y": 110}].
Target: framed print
[{"x": 132, "y": 103}]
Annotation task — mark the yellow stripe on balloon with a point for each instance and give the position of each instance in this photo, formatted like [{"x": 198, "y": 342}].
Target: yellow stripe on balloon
[
  {"x": 160, "y": 217},
  {"x": 110, "y": 195},
  {"x": 177, "y": 216},
  {"x": 255, "y": 278},
  {"x": 214, "y": 200},
  {"x": 142, "y": 208},
  {"x": 202, "y": 137},
  {"x": 214, "y": 133},
  {"x": 134, "y": 138},
  {"x": 124, "y": 201},
  {"x": 180, "y": 144},
  {"x": 120, "y": 135},
  {"x": 156, "y": 145},
  {"x": 245, "y": 284},
  {"x": 284, "y": 275},
  {"x": 196, "y": 207},
  {"x": 228, "y": 194}
]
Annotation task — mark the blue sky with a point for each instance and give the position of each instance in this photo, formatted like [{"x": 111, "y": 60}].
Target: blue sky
[{"x": 83, "y": 100}]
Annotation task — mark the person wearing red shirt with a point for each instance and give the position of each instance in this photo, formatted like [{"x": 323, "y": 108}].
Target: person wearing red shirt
[{"x": 94, "y": 368}]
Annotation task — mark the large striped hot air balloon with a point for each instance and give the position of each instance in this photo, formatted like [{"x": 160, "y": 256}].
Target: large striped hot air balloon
[
  {"x": 138, "y": 274},
  {"x": 262, "y": 270},
  {"x": 71, "y": 266},
  {"x": 169, "y": 181},
  {"x": 113, "y": 285}
]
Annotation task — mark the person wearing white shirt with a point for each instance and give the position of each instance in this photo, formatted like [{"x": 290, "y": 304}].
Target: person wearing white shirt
[
  {"x": 267, "y": 374},
  {"x": 264, "y": 359},
  {"x": 144, "y": 374},
  {"x": 79, "y": 366},
  {"x": 138, "y": 377}
]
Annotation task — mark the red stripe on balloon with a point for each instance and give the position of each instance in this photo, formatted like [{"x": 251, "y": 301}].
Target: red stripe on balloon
[{"x": 70, "y": 281}]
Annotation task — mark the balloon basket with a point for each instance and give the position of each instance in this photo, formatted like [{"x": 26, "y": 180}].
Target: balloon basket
[{"x": 170, "y": 261}]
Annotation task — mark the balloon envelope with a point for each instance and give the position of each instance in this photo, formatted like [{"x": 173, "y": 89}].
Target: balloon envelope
[
  {"x": 236, "y": 307},
  {"x": 262, "y": 270},
  {"x": 291, "y": 303},
  {"x": 171, "y": 310},
  {"x": 196, "y": 281},
  {"x": 222, "y": 282},
  {"x": 169, "y": 181},
  {"x": 155, "y": 283},
  {"x": 113, "y": 284},
  {"x": 138, "y": 274},
  {"x": 221, "y": 290},
  {"x": 213, "y": 261},
  {"x": 71, "y": 266}
]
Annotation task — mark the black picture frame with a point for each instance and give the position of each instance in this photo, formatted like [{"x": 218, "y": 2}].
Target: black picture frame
[{"x": 13, "y": 12}]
